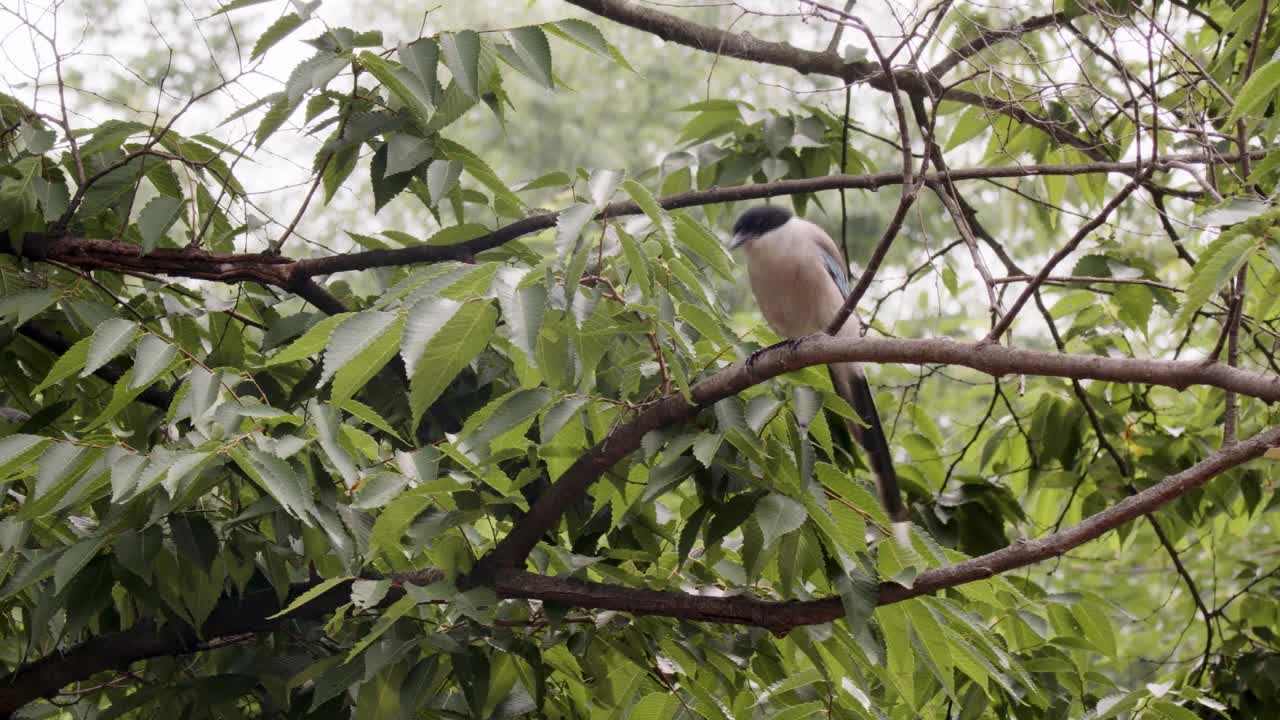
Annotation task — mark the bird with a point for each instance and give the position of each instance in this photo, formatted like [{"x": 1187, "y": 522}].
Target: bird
[{"x": 800, "y": 282}]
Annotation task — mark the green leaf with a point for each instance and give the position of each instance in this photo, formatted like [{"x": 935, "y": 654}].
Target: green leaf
[
  {"x": 778, "y": 515},
  {"x": 403, "y": 84},
  {"x": 17, "y": 451},
  {"x": 22, "y": 306},
  {"x": 311, "y": 342},
  {"x": 74, "y": 560},
  {"x": 581, "y": 33},
  {"x": 395, "y": 518},
  {"x": 353, "y": 337},
  {"x": 441, "y": 177},
  {"x": 1258, "y": 91},
  {"x": 569, "y": 225},
  {"x": 278, "y": 31},
  {"x": 156, "y": 218},
  {"x": 398, "y": 609},
  {"x": 480, "y": 170},
  {"x": 275, "y": 116},
  {"x": 109, "y": 340},
  {"x": 311, "y": 594},
  {"x": 386, "y": 186},
  {"x": 971, "y": 123},
  {"x": 448, "y": 351},
  {"x": 933, "y": 640},
  {"x": 279, "y": 479},
  {"x": 694, "y": 236},
  {"x": 353, "y": 376},
  {"x": 531, "y": 45},
  {"x": 421, "y": 58},
  {"x": 642, "y": 197},
  {"x": 152, "y": 357},
  {"x": 462, "y": 56},
  {"x": 1212, "y": 271},
  {"x": 406, "y": 152},
  {"x": 236, "y": 5},
  {"x": 66, "y": 365}
]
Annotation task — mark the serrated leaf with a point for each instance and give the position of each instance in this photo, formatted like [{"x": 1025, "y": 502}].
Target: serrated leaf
[
  {"x": 22, "y": 306},
  {"x": 523, "y": 309},
  {"x": 353, "y": 376},
  {"x": 74, "y": 559},
  {"x": 581, "y": 33},
  {"x": 603, "y": 184},
  {"x": 705, "y": 245},
  {"x": 275, "y": 117},
  {"x": 311, "y": 594},
  {"x": 278, "y": 31},
  {"x": 369, "y": 415},
  {"x": 236, "y": 5},
  {"x": 531, "y": 45},
  {"x": 1258, "y": 91},
  {"x": 311, "y": 342},
  {"x": 152, "y": 357},
  {"x": 395, "y": 518},
  {"x": 398, "y": 609},
  {"x": 66, "y": 365},
  {"x": 109, "y": 340},
  {"x": 778, "y": 515},
  {"x": 403, "y": 84},
  {"x": 280, "y": 480},
  {"x": 421, "y": 58},
  {"x": 1214, "y": 268},
  {"x": 441, "y": 177},
  {"x": 406, "y": 152},
  {"x": 461, "y": 53},
  {"x": 569, "y": 225},
  {"x": 659, "y": 217},
  {"x": 156, "y": 218},
  {"x": 17, "y": 451},
  {"x": 353, "y": 337},
  {"x": 448, "y": 351}
]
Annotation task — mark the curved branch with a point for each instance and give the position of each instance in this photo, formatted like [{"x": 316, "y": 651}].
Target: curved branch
[
  {"x": 780, "y": 617},
  {"x": 250, "y": 614},
  {"x": 745, "y": 46},
  {"x": 292, "y": 275},
  {"x": 822, "y": 349}
]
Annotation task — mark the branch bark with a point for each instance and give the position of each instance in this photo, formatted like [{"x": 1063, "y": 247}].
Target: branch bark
[
  {"x": 249, "y": 614},
  {"x": 823, "y": 349},
  {"x": 294, "y": 275}
]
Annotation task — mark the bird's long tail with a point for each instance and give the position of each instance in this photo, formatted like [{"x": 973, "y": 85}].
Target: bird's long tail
[{"x": 852, "y": 385}]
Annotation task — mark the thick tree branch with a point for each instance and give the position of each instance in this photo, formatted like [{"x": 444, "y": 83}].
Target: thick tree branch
[
  {"x": 783, "y": 616},
  {"x": 822, "y": 349},
  {"x": 292, "y": 275},
  {"x": 250, "y": 614}
]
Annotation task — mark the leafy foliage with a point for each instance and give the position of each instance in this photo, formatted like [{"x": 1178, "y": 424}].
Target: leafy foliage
[{"x": 339, "y": 455}]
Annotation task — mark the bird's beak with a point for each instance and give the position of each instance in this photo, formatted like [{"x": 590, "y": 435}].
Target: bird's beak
[{"x": 736, "y": 241}]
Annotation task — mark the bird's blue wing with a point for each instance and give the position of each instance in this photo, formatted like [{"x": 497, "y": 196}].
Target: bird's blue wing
[{"x": 837, "y": 273}]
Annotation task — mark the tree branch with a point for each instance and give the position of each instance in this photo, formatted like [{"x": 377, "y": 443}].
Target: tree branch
[
  {"x": 249, "y": 614},
  {"x": 823, "y": 349},
  {"x": 288, "y": 274}
]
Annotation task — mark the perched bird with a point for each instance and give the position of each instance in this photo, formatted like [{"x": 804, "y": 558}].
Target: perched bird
[{"x": 800, "y": 282}]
